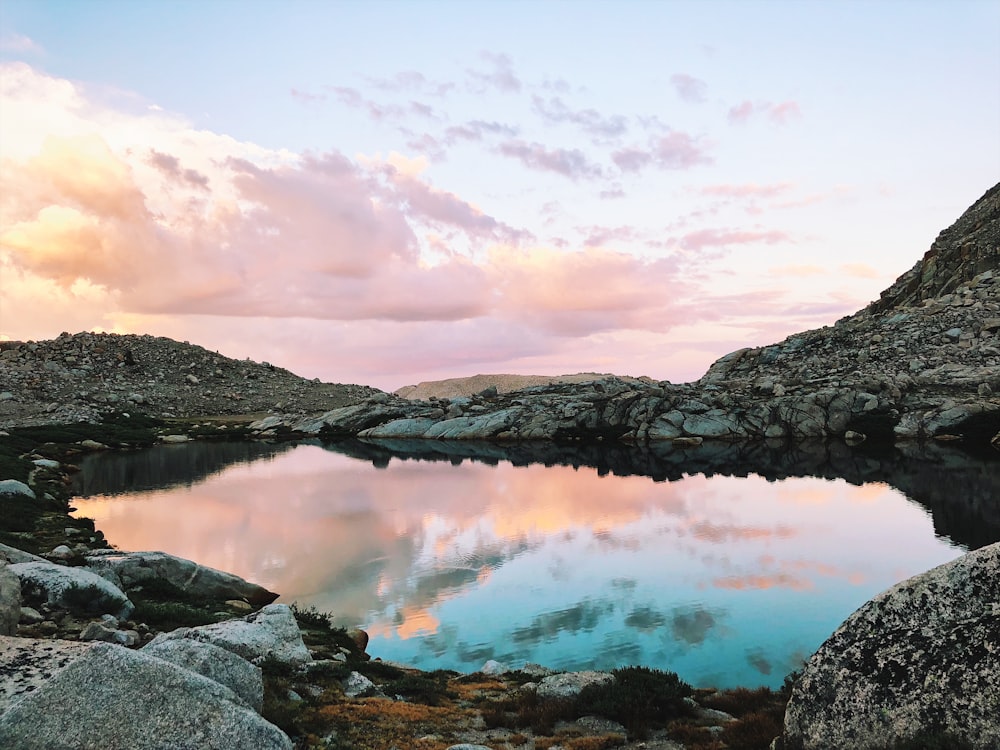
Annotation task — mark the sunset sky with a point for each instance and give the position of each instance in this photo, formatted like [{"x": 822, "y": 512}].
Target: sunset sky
[{"x": 389, "y": 192}]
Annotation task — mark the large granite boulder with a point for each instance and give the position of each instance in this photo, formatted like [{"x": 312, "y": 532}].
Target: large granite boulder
[
  {"x": 921, "y": 659},
  {"x": 215, "y": 663},
  {"x": 269, "y": 634},
  {"x": 71, "y": 588},
  {"x": 10, "y": 601},
  {"x": 130, "y": 570},
  {"x": 117, "y": 699}
]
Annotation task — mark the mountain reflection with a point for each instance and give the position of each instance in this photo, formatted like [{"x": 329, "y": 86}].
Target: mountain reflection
[{"x": 451, "y": 554}]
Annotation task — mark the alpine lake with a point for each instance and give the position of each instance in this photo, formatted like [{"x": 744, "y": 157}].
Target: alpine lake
[{"x": 726, "y": 563}]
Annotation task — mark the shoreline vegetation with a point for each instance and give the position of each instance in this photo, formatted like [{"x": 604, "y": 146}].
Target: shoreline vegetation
[{"x": 397, "y": 706}]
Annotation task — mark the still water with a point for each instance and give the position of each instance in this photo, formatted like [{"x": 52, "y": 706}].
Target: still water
[{"x": 727, "y": 580}]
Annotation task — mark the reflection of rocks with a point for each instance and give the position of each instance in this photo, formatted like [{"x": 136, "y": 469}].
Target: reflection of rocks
[
  {"x": 692, "y": 626},
  {"x": 645, "y": 619},
  {"x": 961, "y": 490},
  {"x": 164, "y": 465},
  {"x": 920, "y": 660},
  {"x": 583, "y": 616}
]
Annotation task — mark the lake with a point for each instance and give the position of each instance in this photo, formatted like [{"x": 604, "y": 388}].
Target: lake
[{"x": 727, "y": 564}]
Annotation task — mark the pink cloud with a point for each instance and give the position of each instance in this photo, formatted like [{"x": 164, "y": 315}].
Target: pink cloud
[
  {"x": 746, "y": 190},
  {"x": 705, "y": 238},
  {"x": 689, "y": 88},
  {"x": 571, "y": 163},
  {"x": 502, "y": 77},
  {"x": 554, "y": 110},
  {"x": 778, "y": 113},
  {"x": 171, "y": 166},
  {"x": 673, "y": 151}
]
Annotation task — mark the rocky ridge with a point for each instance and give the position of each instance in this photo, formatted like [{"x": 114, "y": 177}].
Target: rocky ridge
[
  {"x": 923, "y": 361},
  {"x": 79, "y": 377}
]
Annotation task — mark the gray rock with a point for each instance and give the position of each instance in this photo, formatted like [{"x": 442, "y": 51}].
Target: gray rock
[
  {"x": 215, "y": 663},
  {"x": 271, "y": 633},
  {"x": 114, "y": 698},
  {"x": 14, "y": 555},
  {"x": 921, "y": 658},
  {"x": 15, "y": 487},
  {"x": 27, "y": 663},
  {"x": 98, "y": 631},
  {"x": 10, "y": 601},
  {"x": 356, "y": 685},
  {"x": 30, "y": 616},
  {"x": 46, "y": 463},
  {"x": 492, "y": 667},
  {"x": 132, "y": 569},
  {"x": 570, "y": 684},
  {"x": 71, "y": 588}
]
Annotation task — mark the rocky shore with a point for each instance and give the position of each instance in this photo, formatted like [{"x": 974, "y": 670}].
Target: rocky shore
[{"x": 102, "y": 648}]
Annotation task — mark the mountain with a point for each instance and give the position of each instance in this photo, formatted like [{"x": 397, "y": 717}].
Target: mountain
[{"x": 921, "y": 362}]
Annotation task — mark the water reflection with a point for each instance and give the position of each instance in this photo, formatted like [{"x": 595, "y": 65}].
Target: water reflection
[{"x": 448, "y": 562}]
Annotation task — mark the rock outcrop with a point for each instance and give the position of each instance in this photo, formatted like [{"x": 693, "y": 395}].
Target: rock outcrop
[
  {"x": 922, "y": 362},
  {"x": 71, "y": 588},
  {"x": 268, "y": 634},
  {"x": 921, "y": 660},
  {"x": 130, "y": 570},
  {"x": 215, "y": 663},
  {"x": 112, "y": 697}
]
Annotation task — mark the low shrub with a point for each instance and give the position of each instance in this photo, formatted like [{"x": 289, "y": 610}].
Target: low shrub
[{"x": 639, "y": 698}]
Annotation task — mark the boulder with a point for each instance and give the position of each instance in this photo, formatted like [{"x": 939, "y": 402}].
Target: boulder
[
  {"x": 356, "y": 685},
  {"x": 269, "y": 634},
  {"x": 215, "y": 663},
  {"x": 14, "y": 555},
  {"x": 570, "y": 684},
  {"x": 10, "y": 601},
  {"x": 132, "y": 569},
  {"x": 71, "y": 588},
  {"x": 921, "y": 659},
  {"x": 15, "y": 487},
  {"x": 117, "y": 699}
]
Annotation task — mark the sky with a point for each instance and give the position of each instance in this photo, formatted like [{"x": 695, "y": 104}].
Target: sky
[{"x": 390, "y": 192}]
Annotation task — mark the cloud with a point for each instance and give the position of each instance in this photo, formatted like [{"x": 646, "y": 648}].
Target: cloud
[
  {"x": 571, "y": 163},
  {"x": 860, "y": 270},
  {"x": 779, "y": 114},
  {"x": 307, "y": 98},
  {"x": 776, "y": 580},
  {"x": 689, "y": 88},
  {"x": 554, "y": 110},
  {"x": 673, "y": 151},
  {"x": 501, "y": 77},
  {"x": 171, "y": 166},
  {"x": 476, "y": 130},
  {"x": 351, "y": 97},
  {"x": 746, "y": 190},
  {"x": 707, "y": 238},
  {"x": 19, "y": 44}
]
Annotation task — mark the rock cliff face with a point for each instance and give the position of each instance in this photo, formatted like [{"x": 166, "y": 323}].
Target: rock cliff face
[{"x": 960, "y": 253}]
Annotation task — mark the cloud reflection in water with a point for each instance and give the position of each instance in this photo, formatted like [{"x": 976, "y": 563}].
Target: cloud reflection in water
[{"x": 724, "y": 579}]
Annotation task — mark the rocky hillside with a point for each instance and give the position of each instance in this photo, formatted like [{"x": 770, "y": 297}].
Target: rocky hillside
[
  {"x": 77, "y": 377},
  {"x": 923, "y": 361},
  {"x": 499, "y": 383}
]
